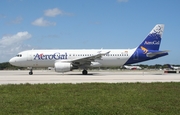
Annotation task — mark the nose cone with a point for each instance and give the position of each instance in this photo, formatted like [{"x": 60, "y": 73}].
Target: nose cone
[{"x": 12, "y": 61}]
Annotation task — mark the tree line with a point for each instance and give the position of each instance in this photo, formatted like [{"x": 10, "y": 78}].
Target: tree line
[{"x": 8, "y": 66}]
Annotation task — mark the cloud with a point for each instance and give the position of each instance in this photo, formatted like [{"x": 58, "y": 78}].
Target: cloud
[
  {"x": 42, "y": 22},
  {"x": 10, "y": 45},
  {"x": 122, "y": 1},
  {"x": 53, "y": 12},
  {"x": 49, "y": 13},
  {"x": 8, "y": 40}
]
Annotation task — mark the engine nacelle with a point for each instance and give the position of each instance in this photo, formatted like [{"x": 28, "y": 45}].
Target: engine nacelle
[{"x": 62, "y": 67}]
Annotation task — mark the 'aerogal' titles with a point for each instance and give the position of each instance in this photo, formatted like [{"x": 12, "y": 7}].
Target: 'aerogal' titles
[
  {"x": 55, "y": 56},
  {"x": 152, "y": 42}
]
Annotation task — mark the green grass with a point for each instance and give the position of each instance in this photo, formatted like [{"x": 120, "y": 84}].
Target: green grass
[{"x": 91, "y": 99}]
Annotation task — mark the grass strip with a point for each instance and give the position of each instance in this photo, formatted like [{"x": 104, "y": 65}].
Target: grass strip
[{"x": 91, "y": 99}]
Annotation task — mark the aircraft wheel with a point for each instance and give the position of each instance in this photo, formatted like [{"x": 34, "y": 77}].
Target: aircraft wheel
[
  {"x": 30, "y": 73},
  {"x": 84, "y": 72},
  {"x": 31, "y": 70}
]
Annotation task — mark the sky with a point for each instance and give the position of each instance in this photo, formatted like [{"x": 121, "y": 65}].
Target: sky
[{"x": 87, "y": 24}]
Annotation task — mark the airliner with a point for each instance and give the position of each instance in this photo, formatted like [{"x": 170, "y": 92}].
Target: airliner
[
  {"x": 173, "y": 67},
  {"x": 132, "y": 67},
  {"x": 68, "y": 60}
]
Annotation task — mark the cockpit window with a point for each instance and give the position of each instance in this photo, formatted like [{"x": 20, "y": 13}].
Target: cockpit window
[{"x": 19, "y": 55}]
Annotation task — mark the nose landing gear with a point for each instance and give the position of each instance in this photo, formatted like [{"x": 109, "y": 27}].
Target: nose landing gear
[{"x": 31, "y": 71}]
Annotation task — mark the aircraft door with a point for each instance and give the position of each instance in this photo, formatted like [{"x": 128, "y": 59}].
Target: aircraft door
[
  {"x": 29, "y": 56},
  {"x": 31, "y": 62}
]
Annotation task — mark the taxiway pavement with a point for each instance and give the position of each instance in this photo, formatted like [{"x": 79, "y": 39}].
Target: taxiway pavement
[{"x": 46, "y": 76}]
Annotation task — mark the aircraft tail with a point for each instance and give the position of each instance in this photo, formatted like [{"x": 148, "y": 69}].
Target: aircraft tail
[
  {"x": 153, "y": 40},
  {"x": 170, "y": 66}
]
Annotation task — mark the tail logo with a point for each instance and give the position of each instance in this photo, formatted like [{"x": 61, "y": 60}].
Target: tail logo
[
  {"x": 158, "y": 30},
  {"x": 144, "y": 50}
]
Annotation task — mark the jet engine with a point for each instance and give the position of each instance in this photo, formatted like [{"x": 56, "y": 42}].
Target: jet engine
[{"x": 62, "y": 67}]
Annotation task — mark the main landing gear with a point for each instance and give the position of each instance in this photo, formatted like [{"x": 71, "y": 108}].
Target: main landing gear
[
  {"x": 84, "y": 72},
  {"x": 31, "y": 71}
]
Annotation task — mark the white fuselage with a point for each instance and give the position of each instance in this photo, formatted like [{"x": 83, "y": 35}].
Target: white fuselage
[{"x": 47, "y": 58}]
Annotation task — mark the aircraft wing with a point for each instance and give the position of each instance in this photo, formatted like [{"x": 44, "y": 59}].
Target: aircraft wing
[
  {"x": 152, "y": 54},
  {"x": 86, "y": 61}
]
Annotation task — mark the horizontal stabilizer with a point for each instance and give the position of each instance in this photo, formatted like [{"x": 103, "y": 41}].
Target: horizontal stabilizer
[{"x": 152, "y": 54}]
